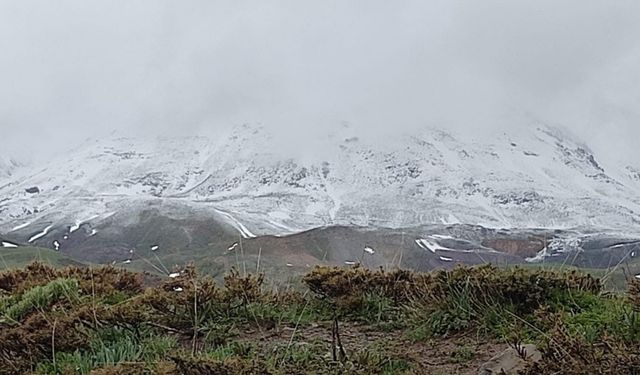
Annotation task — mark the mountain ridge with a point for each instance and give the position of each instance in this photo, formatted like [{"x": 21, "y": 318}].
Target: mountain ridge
[
  {"x": 431, "y": 198},
  {"x": 535, "y": 179}
]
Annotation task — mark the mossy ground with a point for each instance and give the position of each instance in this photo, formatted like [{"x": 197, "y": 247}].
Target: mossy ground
[{"x": 81, "y": 320}]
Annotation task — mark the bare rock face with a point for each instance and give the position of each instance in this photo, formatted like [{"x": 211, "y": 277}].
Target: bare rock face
[
  {"x": 511, "y": 361},
  {"x": 524, "y": 247},
  {"x": 33, "y": 190}
]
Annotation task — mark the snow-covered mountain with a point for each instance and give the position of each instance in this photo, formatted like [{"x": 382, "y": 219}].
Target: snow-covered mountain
[{"x": 538, "y": 177}]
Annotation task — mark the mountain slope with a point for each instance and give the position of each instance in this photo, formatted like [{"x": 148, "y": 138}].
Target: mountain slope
[
  {"x": 116, "y": 200},
  {"x": 537, "y": 178}
]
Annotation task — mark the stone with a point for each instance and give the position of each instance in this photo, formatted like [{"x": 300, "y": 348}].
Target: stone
[
  {"x": 32, "y": 190},
  {"x": 510, "y": 362}
]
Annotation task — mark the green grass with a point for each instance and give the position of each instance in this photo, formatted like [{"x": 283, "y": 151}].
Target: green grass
[
  {"x": 40, "y": 297},
  {"x": 110, "y": 347},
  {"x": 19, "y": 257}
]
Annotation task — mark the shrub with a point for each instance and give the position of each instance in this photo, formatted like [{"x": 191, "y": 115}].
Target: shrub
[{"x": 38, "y": 298}]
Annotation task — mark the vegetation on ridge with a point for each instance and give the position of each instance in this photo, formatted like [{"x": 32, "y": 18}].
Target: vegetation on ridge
[{"x": 81, "y": 320}]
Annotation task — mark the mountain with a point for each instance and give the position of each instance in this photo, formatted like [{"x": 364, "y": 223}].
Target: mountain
[{"x": 242, "y": 184}]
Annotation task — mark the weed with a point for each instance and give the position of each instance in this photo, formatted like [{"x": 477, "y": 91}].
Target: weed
[{"x": 462, "y": 354}]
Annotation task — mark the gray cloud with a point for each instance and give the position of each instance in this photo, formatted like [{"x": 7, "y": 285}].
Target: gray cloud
[{"x": 72, "y": 69}]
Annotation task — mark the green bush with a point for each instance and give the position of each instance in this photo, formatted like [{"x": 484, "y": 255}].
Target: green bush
[{"x": 38, "y": 298}]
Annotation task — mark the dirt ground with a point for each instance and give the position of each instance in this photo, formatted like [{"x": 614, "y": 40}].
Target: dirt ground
[{"x": 455, "y": 355}]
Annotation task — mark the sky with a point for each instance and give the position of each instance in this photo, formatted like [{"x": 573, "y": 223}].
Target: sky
[{"x": 76, "y": 69}]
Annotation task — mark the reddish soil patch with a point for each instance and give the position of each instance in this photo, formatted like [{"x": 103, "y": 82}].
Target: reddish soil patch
[{"x": 525, "y": 247}]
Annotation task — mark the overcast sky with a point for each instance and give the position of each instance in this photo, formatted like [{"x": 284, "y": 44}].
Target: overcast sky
[{"x": 72, "y": 69}]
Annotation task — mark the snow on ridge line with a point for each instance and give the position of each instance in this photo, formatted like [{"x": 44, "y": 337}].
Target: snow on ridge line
[
  {"x": 8, "y": 244},
  {"x": 246, "y": 233},
  {"x": 41, "y": 234}
]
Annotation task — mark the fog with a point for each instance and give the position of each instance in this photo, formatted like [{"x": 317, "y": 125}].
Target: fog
[{"x": 76, "y": 69}]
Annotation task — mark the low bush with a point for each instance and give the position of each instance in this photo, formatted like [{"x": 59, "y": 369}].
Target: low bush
[{"x": 103, "y": 321}]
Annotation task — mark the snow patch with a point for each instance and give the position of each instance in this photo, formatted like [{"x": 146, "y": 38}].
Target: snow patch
[
  {"x": 441, "y": 237},
  {"x": 539, "y": 256},
  {"x": 21, "y": 226},
  {"x": 420, "y": 242},
  {"x": 41, "y": 234},
  {"x": 108, "y": 215},
  {"x": 8, "y": 244},
  {"x": 246, "y": 233},
  {"x": 431, "y": 246},
  {"x": 56, "y": 245},
  {"x": 74, "y": 227},
  {"x": 78, "y": 223},
  {"x": 445, "y": 259}
]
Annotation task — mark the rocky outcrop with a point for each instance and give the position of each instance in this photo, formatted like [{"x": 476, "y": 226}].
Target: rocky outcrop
[{"x": 32, "y": 190}]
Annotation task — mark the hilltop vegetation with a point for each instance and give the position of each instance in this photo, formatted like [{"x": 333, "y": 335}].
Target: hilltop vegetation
[{"x": 81, "y": 320}]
